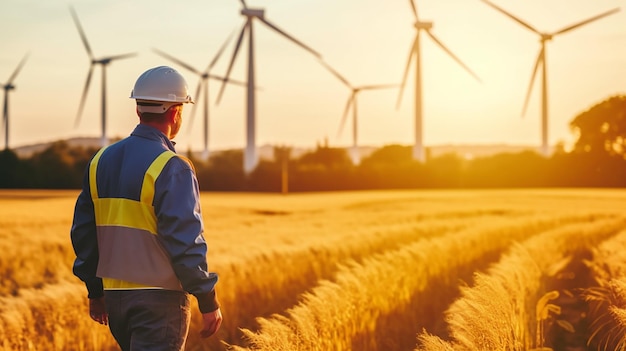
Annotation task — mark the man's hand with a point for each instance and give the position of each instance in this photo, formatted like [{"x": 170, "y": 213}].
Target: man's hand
[
  {"x": 211, "y": 323},
  {"x": 97, "y": 310}
]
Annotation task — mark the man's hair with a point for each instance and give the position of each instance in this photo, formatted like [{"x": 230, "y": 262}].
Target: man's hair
[
  {"x": 158, "y": 117},
  {"x": 152, "y": 117}
]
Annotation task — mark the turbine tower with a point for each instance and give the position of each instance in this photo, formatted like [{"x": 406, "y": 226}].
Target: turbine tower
[
  {"x": 418, "y": 148},
  {"x": 544, "y": 37},
  {"x": 250, "y": 156},
  {"x": 104, "y": 62},
  {"x": 203, "y": 85},
  {"x": 5, "y": 109},
  {"x": 352, "y": 104}
]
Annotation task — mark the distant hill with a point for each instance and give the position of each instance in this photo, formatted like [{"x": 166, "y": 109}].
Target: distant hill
[
  {"x": 28, "y": 150},
  {"x": 267, "y": 151}
]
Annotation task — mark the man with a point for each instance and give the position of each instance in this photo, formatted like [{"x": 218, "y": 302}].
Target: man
[{"x": 137, "y": 229}]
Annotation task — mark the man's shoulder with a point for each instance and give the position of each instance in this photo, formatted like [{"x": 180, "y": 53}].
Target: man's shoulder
[{"x": 180, "y": 162}]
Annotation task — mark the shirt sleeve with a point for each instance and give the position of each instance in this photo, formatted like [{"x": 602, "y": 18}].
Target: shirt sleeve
[
  {"x": 85, "y": 241},
  {"x": 180, "y": 231}
]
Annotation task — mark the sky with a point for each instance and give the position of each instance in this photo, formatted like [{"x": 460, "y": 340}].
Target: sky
[{"x": 299, "y": 102}]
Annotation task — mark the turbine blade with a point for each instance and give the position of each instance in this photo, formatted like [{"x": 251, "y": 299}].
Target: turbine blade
[
  {"x": 512, "y": 17},
  {"x": 336, "y": 74},
  {"x": 84, "y": 96},
  {"x": 194, "y": 107},
  {"x": 406, "y": 71},
  {"x": 296, "y": 41},
  {"x": 83, "y": 37},
  {"x": 17, "y": 70},
  {"x": 231, "y": 81},
  {"x": 378, "y": 86},
  {"x": 244, "y": 4},
  {"x": 175, "y": 60},
  {"x": 220, "y": 51},
  {"x": 414, "y": 7},
  {"x": 595, "y": 18},
  {"x": 232, "y": 60},
  {"x": 120, "y": 57},
  {"x": 532, "y": 79},
  {"x": 432, "y": 36},
  {"x": 345, "y": 113}
]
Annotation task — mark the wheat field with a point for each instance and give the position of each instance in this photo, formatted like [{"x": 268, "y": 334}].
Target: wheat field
[{"x": 527, "y": 269}]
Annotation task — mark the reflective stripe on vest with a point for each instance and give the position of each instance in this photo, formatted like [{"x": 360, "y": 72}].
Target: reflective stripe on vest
[{"x": 131, "y": 256}]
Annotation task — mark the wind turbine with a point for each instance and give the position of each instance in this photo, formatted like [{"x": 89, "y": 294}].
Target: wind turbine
[
  {"x": 203, "y": 85},
  {"x": 541, "y": 61},
  {"x": 352, "y": 103},
  {"x": 104, "y": 62},
  {"x": 418, "y": 148},
  {"x": 250, "y": 156},
  {"x": 5, "y": 109}
]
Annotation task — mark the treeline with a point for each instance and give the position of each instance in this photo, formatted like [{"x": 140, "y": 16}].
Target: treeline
[
  {"x": 598, "y": 159},
  {"x": 327, "y": 169}
]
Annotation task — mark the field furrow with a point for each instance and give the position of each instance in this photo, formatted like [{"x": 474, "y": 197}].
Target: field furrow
[
  {"x": 508, "y": 307},
  {"x": 365, "y": 307},
  {"x": 606, "y": 301},
  {"x": 270, "y": 288}
]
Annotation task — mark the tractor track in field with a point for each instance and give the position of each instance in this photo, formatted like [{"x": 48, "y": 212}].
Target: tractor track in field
[{"x": 571, "y": 283}]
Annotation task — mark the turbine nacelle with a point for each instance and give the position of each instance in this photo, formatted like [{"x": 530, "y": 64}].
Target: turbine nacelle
[
  {"x": 250, "y": 159},
  {"x": 104, "y": 61},
  {"x": 248, "y": 12},
  {"x": 546, "y": 37},
  {"x": 9, "y": 87},
  {"x": 423, "y": 25}
]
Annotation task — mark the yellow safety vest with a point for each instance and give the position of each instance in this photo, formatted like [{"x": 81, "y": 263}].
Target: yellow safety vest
[{"x": 130, "y": 255}]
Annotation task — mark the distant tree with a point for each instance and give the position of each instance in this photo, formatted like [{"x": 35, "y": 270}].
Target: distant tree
[
  {"x": 9, "y": 168},
  {"x": 390, "y": 154},
  {"x": 445, "y": 171},
  {"x": 523, "y": 169},
  {"x": 602, "y": 128},
  {"x": 324, "y": 168},
  {"x": 326, "y": 157},
  {"x": 56, "y": 167},
  {"x": 393, "y": 167},
  {"x": 223, "y": 172},
  {"x": 265, "y": 177}
]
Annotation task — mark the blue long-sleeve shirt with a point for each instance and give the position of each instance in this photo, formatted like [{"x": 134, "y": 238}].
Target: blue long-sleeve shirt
[{"x": 120, "y": 174}]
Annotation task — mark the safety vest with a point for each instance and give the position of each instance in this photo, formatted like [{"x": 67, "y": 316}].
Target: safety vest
[{"x": 130, "y": 255}]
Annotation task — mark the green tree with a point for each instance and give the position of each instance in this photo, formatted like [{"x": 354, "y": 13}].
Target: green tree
[
  {"x": 322, "y": 169},
  {"x": 223, "y": 172},
  {"x": 9, "y": 167},
  {"x": 56, "y": 167},
  {"x": 602, "y": 128},
  {"x": 392, "y": 167}
]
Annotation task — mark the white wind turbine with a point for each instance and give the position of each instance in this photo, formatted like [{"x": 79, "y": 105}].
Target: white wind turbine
[
  {"x": 541, "y": 61},
  {"x": 418, "y": 148},
  {"x": 203, "y": 85},
  {"x": 104, "y": 62},
  {"x": 250, "y": 156},
  {"x": 5, "y": 109},
  {"x": 352, "y": 103}
]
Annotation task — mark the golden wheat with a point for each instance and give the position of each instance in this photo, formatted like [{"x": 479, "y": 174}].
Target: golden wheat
[
  {"x": 608, "y": 300},
  {"x": 347, "y": 313},
  {"x": 499, "y": 311},
  {"x": 271, "y": 252}
]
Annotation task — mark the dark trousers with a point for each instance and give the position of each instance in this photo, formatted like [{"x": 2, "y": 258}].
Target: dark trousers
[{"x": 155, "y": 320}]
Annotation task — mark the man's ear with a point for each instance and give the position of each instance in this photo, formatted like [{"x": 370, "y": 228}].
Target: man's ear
[{"x": 171, "y": 114}]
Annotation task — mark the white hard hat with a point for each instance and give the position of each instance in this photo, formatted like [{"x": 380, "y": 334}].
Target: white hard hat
[{"x": 159, "y": 88}]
